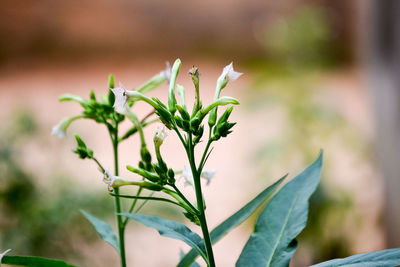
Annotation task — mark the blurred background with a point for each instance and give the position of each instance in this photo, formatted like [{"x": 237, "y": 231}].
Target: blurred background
[{"x": 319, "y": 74}]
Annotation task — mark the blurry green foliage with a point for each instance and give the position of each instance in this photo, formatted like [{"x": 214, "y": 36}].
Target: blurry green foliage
[
  {"x": 299, "y": 48},
  {"x": 36, "y": 219},
  {"x": 302, "y": 39}
]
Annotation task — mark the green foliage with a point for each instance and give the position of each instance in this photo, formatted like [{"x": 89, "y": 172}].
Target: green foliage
[
  {"x": 273, "y": 242},
  {"x": 383, "y": 258},
  {"x": 104, "y": 230},
  {"x": 33, "y": 262},
  {"x": 233, "y": 221},
  {"x": 35, "y": 217},
  {"x": 172, "y": 229}
]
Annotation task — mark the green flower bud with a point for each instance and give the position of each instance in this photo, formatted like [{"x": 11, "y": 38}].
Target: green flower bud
[
  {"x": 111, "y": 84},
  {"x": 181, "y": 92},
  {"x": 159, "y": 137},
  {"x": 222, "y": 101},
  {"x": 185, "y": 115},
  {"x": 195, "y": 75},
  {"x": 171, "y": 95},
  {"x": 146, "y": 174},
  {"x": 145, "y": 154}
]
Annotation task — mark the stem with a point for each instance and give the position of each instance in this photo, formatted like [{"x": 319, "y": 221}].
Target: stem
[
  {"x": 202, "y": 162},
  {"x": 98, "y": 164},
  {"x": 185, "y": 199},
  {"x": 200, "y": 203},
  {"x": 133, "y": 204},
  {"x": 144, "y": 203},
  {"x": 121, "y": 229},
  {"x": 150, "y": 198}
]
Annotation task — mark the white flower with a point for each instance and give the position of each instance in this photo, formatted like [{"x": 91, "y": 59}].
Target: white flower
[
  {"x": 167, "y": 71},
  {"x": 109, "y": 179},
  {"x": 230, "y": 74},
  {"x": 160, "y": 136},
  {"x": 60, "y": 129},
  {"x": 121, "y": 97},
  {"x": 187, "y": 174},
  {"x": 4, "y": 253},
  {"x": 206, "y": 174}
]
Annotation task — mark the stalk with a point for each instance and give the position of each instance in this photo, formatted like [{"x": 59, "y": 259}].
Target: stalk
[
  {"x": 121, "y": 228},
  {"x": 200, "y": 204}
]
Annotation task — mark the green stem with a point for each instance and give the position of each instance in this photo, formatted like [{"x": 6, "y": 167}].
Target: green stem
[
  {"x": 133, "y": 204},
  {"x": 202, "y": 161},
  {"x": 149, "y": 198},
  {"x": 185, "y": 199},
  {"x": 121, "y": 229},
  {"x": 98, "y": 164},
  {"x": 200, "y": 203}
]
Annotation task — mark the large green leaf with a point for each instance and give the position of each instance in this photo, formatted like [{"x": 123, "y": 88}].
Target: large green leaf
[
  {"x": 233, "y": 221},
  {"x": 104, "y": 229},
  {"x": 171, "y": 229},
  {"x": 33, "y": 261},
  {"x": 382, "y": 258},
  {"x": 284, "y": 217}
]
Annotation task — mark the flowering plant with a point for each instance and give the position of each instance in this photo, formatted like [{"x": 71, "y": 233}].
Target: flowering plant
[{"x": 285, "y": 208}]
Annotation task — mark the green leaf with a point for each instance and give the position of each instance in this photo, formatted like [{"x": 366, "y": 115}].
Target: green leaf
[
  {"x": 33, "y": 261},
  {"x": 233, "y": 221},
  {"x": 194, "y": 264},
  {"x": 104, "y": 229},
  {"x": 273, "y": 242},
  {"x": 171, "y": 229},
  {"x": 382, "y": 258}
]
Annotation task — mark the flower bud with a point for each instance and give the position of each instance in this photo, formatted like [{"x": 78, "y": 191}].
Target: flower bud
[
  {"x": 160, "y": 136},
  {"x": 148, "y": 175},
  {"x": 171, "y": 96}
]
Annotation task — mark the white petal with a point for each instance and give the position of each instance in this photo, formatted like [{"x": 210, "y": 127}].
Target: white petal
[
  {"x": 208, "y": 175},
  {"x": 57, "y": 130},
  {"x": 187, "y": 174},
  {"x": 160, "y": 135},
  {"x": 120, "y": 96},
  {"x": 4, "y": 253},
  {"x": 230, "y": 73},
  {"x": 167, "y": 71}
]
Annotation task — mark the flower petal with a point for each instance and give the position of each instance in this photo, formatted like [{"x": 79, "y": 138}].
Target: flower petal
[{"x": 230, "y": 73}]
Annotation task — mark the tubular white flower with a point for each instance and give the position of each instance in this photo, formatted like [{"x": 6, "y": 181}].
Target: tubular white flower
[
  {"x": 4, "y": 253},
  {"x": 160, "y": 136},
  {"x": 61, "y": 128},
  {"x": 121, "y": 97},
  {"x": 208, "y": 175},
  {"x": 188, "y": 176},
  {"x": 109, "y": 179},
  {"x": 230, "y": 74}
]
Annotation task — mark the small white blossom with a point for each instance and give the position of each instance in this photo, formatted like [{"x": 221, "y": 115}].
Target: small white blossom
[
  {"x": 160, "y": 136},
  {"x": 121, "y": 97},
  {"x": 188, "y": 176},
  {"x": 59, "y": 131},
  {"x": 4, "y": 253},
  {"x": 208, "y": 175},
  {"x": 109, "y": 179},
  {"x": 61, "y": 128},
  {"x": 230, "y": 74},
  {"x": 167, "y": 71}
]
